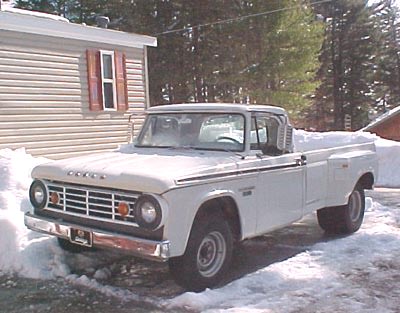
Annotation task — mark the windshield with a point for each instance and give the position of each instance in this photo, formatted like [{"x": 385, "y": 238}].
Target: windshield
[{"x": 204, "y": 131}]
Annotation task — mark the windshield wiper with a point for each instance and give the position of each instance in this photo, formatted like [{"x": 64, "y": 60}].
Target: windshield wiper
[
  {"x": 186, "y": 148},
  {"x": 183, "y": 148},
  {"x": 224, "y": 150},
  {"x": 236, "y": 153}
]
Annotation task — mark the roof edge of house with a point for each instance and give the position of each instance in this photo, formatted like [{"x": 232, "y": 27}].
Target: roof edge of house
[
  {"x": 380, "y": 119},
  {"x": 55, "y": 26}
]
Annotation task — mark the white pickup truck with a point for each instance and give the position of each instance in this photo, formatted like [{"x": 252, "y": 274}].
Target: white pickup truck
[{"x": 199, "y": 179}]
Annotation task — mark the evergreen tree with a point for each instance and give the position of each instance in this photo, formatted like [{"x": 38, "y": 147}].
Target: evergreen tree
[
  {"x": 263, "y": 59},
  {"x": 279, "y": 57},
  {"x": 46, "y": 6},
  {"x": 348, "y": 65},
  {"x": 386, "y": 88},
  {"x": 79, "y": 11}
]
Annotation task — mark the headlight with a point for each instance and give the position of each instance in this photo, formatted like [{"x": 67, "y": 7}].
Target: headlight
[
  {"x": 38, "y": 194},
  {"x": 148, "y": 212}
]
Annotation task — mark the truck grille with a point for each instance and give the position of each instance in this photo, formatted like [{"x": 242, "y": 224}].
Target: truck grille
[{"x": 91, "y": 203}]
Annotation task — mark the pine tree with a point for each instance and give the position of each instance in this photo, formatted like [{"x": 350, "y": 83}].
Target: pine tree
[
  {"x": 79, "y": 11},
  {"x": 264, "y": 59},
  {"x": 46, "y": 6},
  {"x": 348, "y": 56},
  {"x": 281, "y": 56},
  {"x": 386, "y": 88}
]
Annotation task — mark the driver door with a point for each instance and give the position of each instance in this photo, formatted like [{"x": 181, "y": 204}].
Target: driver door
[{"x": 281, "y": 177}]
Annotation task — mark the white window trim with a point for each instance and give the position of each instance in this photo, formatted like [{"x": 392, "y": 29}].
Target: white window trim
[{"x": 108, "y": 80}]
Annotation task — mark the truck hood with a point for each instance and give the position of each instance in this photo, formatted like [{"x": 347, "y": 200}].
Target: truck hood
[{"x": 151, "y": 170}]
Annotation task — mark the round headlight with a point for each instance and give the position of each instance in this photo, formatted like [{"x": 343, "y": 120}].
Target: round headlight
[
  {"x": 38, "y": 194},
  {"x": 148, "y": 212}
]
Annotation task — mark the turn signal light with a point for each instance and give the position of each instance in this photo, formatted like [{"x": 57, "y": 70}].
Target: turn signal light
[
  {"x": 54, "y": 198},
  {"x": 123, "y": 208}
]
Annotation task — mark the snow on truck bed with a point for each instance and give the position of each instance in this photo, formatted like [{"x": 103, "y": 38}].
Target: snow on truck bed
[{"x": 328, "y": 272}]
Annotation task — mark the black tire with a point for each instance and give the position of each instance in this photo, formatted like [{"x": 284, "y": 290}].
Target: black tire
[
  {"x": 345, "y": 219},
  {"x": 67, "y": 245},
  {"x": 208, "y": 255}
]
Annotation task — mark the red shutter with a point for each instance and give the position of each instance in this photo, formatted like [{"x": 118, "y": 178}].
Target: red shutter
[
  {"x": 94, "y": 80},
  {"x": 120, "y": 75}
]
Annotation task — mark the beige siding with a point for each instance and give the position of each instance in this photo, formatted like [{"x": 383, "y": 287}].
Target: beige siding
[{"x": 44, "y": 97}]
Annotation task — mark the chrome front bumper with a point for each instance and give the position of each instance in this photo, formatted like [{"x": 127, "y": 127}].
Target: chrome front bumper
[{"x": 149, "y": 249}]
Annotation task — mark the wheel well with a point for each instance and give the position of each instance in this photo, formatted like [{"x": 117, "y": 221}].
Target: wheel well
[
  {"x": 366, "y": 181},
  {"x": 225, "y": 206}
]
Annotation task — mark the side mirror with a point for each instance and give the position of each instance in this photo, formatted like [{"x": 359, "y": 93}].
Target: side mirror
[
  {"x": 285, "y": 138},
  {"x": 131, "y": 128}
]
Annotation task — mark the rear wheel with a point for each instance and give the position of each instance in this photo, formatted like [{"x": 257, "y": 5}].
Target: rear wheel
[
  {"x": 207, "y": 256},
  {"x": 344, "y": 219}
]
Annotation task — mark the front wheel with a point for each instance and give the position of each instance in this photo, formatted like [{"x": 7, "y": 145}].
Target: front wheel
[
  {"x": 207, "y": 256},
  {"x": 345, "y": 219}
]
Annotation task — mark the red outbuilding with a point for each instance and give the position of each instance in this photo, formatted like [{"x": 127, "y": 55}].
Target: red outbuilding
[{"x": 387, "y": 125}]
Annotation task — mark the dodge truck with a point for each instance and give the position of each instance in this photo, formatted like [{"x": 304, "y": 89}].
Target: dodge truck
[{"x": 198, "y": 180}]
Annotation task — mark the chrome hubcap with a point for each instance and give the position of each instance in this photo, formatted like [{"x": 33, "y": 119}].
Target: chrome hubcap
[
  {"x": 355, "y": 206},
  {"x": 211, "y": 254}
]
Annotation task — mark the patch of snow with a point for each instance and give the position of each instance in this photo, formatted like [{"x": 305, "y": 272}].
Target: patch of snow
[
  {"x": 110, "y": 291},
  {"x": 305, "y": 141},
  {"x": 23, "y": 251},
  {"x": 102, "y": 274},
  {"x": 389, "y": 163},
  {"x": 34, "y": 13}
]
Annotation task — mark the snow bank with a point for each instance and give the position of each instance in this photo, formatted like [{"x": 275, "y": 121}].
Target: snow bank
[
  {"x": 23, "y": 251},
  {"x": 304, "y": 141},
  {"x": 389, "y": 163}
]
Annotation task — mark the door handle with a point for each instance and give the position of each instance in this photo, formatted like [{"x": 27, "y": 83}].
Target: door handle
[{"x": 301, "y": 161}]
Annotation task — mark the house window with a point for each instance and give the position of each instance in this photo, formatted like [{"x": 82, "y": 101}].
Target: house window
[{"x": 108, "y": 79}]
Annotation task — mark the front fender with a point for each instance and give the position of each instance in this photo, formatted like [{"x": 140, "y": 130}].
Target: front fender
[
  {"x": 214, "y": 194},
  {"x": 184, "y": 203}
]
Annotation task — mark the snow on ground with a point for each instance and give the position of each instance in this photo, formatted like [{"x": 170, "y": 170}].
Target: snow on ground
[
  {"x": 342, "y": 267},
  {"x": 23, "y": 251},
  {"x": 339, "y": 274}
]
